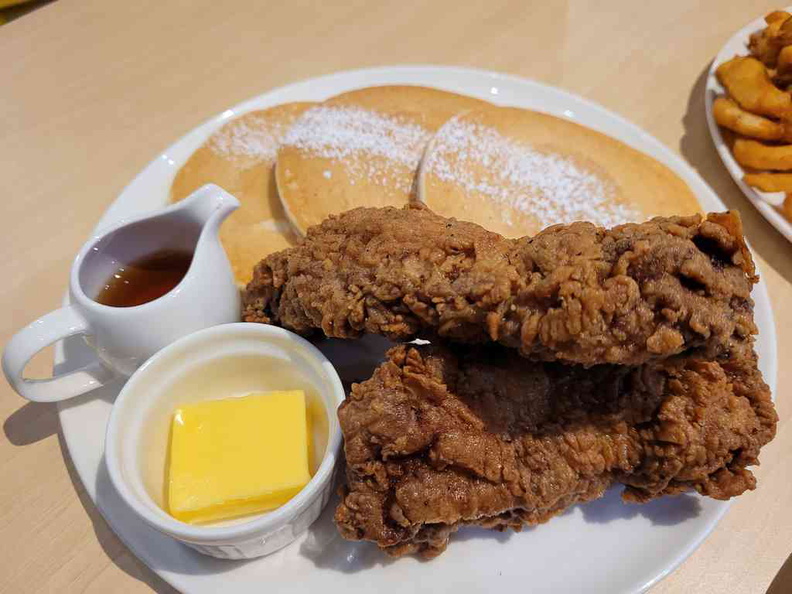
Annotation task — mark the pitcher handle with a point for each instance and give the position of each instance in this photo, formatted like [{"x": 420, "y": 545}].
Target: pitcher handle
[{"x": 48, "y": 329}]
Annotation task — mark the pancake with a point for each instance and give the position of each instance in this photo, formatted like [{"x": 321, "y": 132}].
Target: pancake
[
  {"x": 517, "y": 171},
  {"x": 360, "y": 148},
  {"x": 239, "y": 158}
]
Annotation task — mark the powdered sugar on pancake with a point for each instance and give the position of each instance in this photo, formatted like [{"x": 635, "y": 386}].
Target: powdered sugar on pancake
[
  {"x": 370, "y": 145},
  {"x": 248, "y": 137},
  {"x": 551, "y": 187}
]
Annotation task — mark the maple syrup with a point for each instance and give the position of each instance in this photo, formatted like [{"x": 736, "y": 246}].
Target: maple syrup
[{"x": 145, "y": 279}]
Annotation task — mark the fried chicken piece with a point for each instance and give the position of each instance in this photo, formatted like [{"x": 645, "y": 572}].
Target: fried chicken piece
[
  {"x": 438, "y": 439},
  {"x": 577, "y": 293}
]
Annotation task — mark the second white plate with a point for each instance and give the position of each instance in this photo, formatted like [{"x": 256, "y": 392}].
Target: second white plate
[
  {"x": 763, "y": 201},
  {"x": 604, "y": 546}
]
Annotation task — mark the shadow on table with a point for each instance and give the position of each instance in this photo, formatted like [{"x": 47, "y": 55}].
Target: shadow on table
[
  {"x": 782, "y": 582},
  {"x": 697, "y": 147},
  {"x": 30, "y": 423},
  {"x": 35, "y": 421}
]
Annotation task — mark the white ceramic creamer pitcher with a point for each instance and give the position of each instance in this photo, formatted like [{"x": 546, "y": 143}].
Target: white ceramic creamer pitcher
[{"x": 124, "y": 337}]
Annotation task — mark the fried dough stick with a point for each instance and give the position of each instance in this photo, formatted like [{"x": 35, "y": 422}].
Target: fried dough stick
[
  {"x": 769, "y": 182},
  {"x": 730, "y": 115},
  {"x": 747, "y": 81},
  {"x": 439, "y": 439},
  {"x": 577, "y": 293},
  {"x": 754, "y": 154},
  {"x": 767, "y": 43}
]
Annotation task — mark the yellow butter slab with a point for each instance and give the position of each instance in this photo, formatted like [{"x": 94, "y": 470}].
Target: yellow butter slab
[{"x": 237, "y": 456}]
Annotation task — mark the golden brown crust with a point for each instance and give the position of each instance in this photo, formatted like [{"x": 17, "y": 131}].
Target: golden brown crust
[
  {"x": 575, "y": 293},
  {"x": 438, "y": 439},
  {"x": 747, "y": 81}
]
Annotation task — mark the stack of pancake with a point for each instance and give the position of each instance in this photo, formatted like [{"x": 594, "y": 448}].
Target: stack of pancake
[{"x": 511, "y": 170}]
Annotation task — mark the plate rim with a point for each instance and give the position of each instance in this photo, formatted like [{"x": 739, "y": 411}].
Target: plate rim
[
  {"x": 713, "y": 88},
  {"x": 664, "y": 155}
]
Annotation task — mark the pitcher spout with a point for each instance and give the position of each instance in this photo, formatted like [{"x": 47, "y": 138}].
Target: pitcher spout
[{"x": 208, "y": 206}]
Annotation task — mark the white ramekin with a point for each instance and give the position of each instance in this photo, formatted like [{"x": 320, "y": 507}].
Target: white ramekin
[{"x": 140, "y": 419}]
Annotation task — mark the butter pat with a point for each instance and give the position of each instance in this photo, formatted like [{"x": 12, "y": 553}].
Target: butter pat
[{"x": 237, "y": 456}]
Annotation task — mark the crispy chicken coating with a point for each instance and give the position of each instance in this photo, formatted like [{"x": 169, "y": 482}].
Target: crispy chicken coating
[
  {"x": 576, "y": 293},
  {"x": 441, "y": 438}
]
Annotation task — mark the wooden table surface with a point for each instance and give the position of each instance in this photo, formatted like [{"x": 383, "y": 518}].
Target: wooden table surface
[{"x": 91, "y": 91}]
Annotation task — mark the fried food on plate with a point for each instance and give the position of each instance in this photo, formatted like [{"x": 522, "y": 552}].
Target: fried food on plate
[
  {"x": 782, "y": 76},
  {"x": 769, "y": 182},
  {"x": 730, "y": 115},
  {"x": 767, "y": 43},
  {"x": 576, "y": 293},
  {"x": 750, "y": 153},
  {"x": 759, "y": 86},
  {"x": 786, "y": 207},
  {"x": 748, "y": 83},
  {"x": 784, "y": 60},
  {"x": 776, "y": 16},
  {"x": 438, "y": 439}
]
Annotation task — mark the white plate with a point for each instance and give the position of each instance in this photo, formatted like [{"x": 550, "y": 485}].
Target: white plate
[
  {"x": 763, "y": 201},
  {"x": 604, "y": 546}
]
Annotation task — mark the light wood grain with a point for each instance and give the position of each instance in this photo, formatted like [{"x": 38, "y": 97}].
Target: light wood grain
[{"x": 91, "y": 91}]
